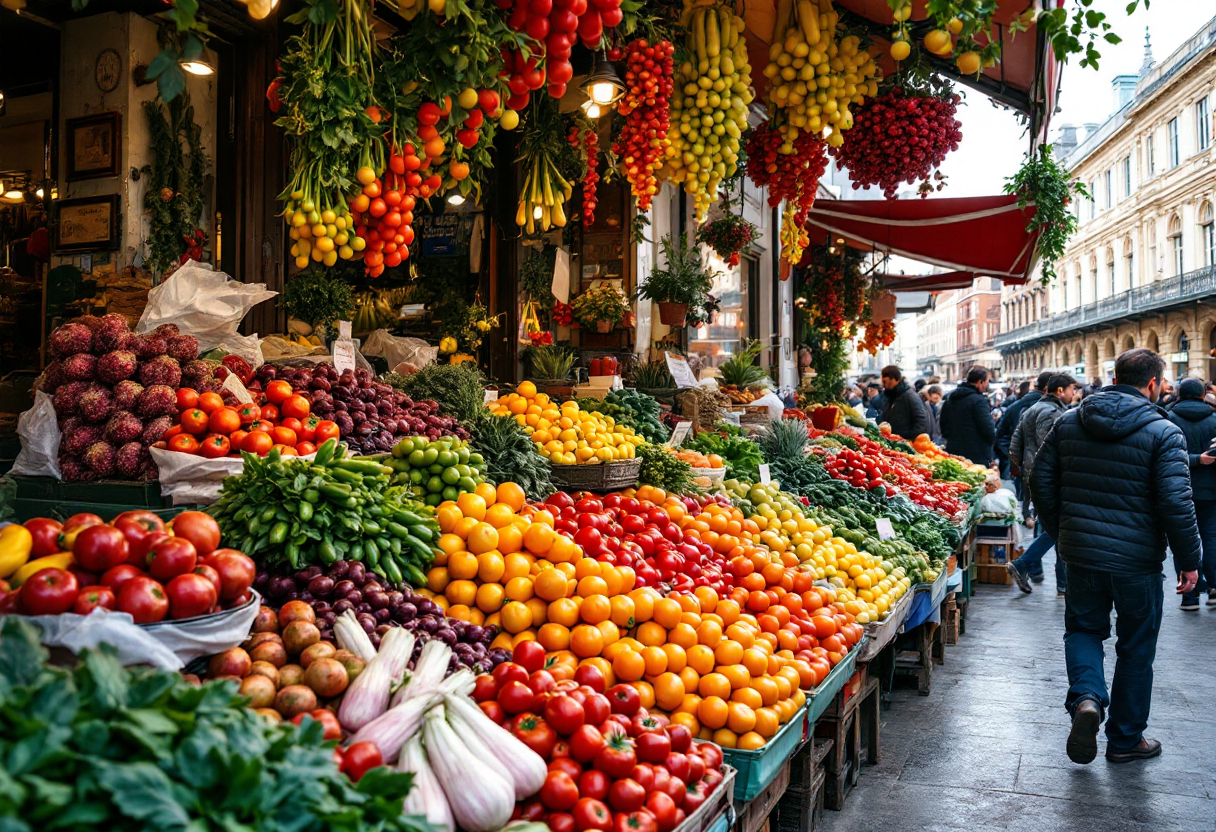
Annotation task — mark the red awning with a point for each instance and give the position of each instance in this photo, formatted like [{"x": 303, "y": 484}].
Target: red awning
[
  {"x": 986, "y": 235},
  {"x": 927, "y": 282}
]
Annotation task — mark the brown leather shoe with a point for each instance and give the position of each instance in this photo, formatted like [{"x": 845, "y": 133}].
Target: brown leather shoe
[
  {"x": 1083, "y": 738},
  {"x": 1147, "y": 749}
]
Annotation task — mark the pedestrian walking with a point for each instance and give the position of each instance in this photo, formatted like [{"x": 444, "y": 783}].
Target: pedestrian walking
[
  {"x": 966, "y": 419},
  {"x": 1197, "y": 420},
  {"x": 1112, "y": 484},
  {"x": 902, "y": 408},
  {"x": 932, "y": 396},
  {"x": 1010, "y": 419},
  {"x": 1028, "y": 438}
]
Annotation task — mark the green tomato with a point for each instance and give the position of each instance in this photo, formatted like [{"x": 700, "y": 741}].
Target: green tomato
[
  {"x": 430, "y": 455},
  {"x": 433, "y": 500},
  {"x": 447, "y": 459},
  {"x": 466, "y": 484},
  {"x": 477, "y": 459},
  {"x": 416, "y": 459},
  {"x": 416, "y": 476},
  {"x": 463, "y": 454},
  {"x": 451, "y": 492}
]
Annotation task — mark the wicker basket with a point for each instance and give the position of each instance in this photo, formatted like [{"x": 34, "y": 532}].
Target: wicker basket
[{"x": 607, "y": 476}]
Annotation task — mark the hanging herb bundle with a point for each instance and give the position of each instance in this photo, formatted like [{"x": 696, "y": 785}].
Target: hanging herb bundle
[
  {"x": 1043, "y": 183},
  {"x": 174, "y": 198},
  {"x": 536, "y": 274},
  {"x": 318, "y": 297}
]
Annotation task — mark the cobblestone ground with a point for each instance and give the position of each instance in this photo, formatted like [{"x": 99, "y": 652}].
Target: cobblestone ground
[{"x": 985, "y": 750}]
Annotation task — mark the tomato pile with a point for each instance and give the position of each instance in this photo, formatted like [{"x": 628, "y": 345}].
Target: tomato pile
[
  {"x": 613, "y": 766},
  {"x": 875, "y": 465},
  {"x": 135, "y": 564},
  {"x": 210, "y": 428},
  {"x": 645, "y": 108}
]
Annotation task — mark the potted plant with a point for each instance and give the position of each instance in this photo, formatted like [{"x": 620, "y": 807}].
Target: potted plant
[
  {"x": 602, "y": 308},
  {"x": 682, "y": 283},
  {"x": 550, "y": 368}
]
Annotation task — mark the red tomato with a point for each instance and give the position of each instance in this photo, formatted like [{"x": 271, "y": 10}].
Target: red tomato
[
  {"x": 278, "y": 391},
  {"x": 694, "y": 796},
  {"x": 626, "y": 796},
  {"x": 211, "y": 575},
  {"x": 359, "y": 757},
  {"x": 585, "y": 743},
  {"x": 114, "y": 578},
  {"x": 493, "y": 710},
  {"x": 515, "y": 697},
  {"x": 596, "y": 708},
  {"x": 653, "y": 746},
  {"x": 194, "y": 421},
  {"x": 566, "y": 764},
  {"x": 592, "y": 783},
  {"x": 270, "y": 413},
  {"x": 681, "y": 738},
  {"x": 187, "y": 399},
  {"x": 591, "y": 676},
  {"x": 99, "y": 548},
  {"x": 664, "y": 810},
  {"x": 296, "y": 406},
  {"x": 184, "y": 443},
  {"x": 284, "y": 436},
  {"x": 485, "y": 688},
  {"x": 326, "y": 430},
  {"x": 333, "y": 731},
  {"x": 144, "y": 599},
  {"x": 677, "y": 764},
  {"x": 308, "y": 429},
  {"x": 616, "y": 757},
  {"x": 140, "y": 548},
  {"x": 190, "y": 596},
  {"x": 49, "y": 591},
  {"x": 640, "y": 821},
  {"x": 590, "y": 813},
  {"x": 564, "y": 713},
  {"x": 172, "y": 557},
  {"x": 712, "y": 754},
  {"x": 559, "y": 791},
  {"x": 257, "y": 442},
  {"x": 696, "y": 768},
  {"x": 509, "y": 672},
  {"x": 291, "y": 424},
  {"x": 530, "y": 656},
  {"x": 248, "y": 414},
  {"x": 560, "y": 822},
  {"x": 540, "y": 681},
  {"x": 45, "y": 532},
  {"x": 624, "y": 699},
  {"x": 236, "y": 572},
  {"x": 643, "y": 722},
  {"x": 305, "y": 448},
  {"x": 532, "y": 731},
  {"x": 531, "y": 810},
  {"x": 92, "y": 597},
  {"x": 215, "y": 446},
  {"x": 223, "y": 421},
  {"x": 644, "y": 774}
]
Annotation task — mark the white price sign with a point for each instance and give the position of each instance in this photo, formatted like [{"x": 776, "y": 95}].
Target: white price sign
[
  {"x": 679, "y": 433},
  {"x": 491, "y": 396},
  {"x": 765, "y": 477},
  {"x": 344, "y": 355},
  {"x": 677, "y": 365},
  {"x": 885, "y": 530}
]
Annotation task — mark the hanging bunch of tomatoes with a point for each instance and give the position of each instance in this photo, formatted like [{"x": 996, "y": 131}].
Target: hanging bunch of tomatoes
[
  {"x": 553, "y": 27},
  {"x": 384, "y": 211},
  {"x": 645, "y": 108},
  {"x": 793, "y": 179},
  {"x": 590, "y": 141}
]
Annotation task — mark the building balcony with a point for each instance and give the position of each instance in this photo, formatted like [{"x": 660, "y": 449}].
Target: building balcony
[{"x": 1142, "y": 301}]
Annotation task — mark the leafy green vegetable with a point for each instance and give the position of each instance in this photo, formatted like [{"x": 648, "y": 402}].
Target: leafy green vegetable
[
  {"x": 661, "y": 469},
  {"x": 741, "y": 455},
  {"x": 106, "y": 747},
  {"x": 318, "y": 296},
  {"x": 458, "y": 389},
  {"x": 952, "y": 469},
  {"x": 510, "y": 455}
]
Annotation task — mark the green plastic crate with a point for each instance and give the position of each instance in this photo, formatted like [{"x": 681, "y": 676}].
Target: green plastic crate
[
  {"x": 756, "y": 769},
  {"x": 821, "y": 697},
  {"x": 104, "y": 492}
]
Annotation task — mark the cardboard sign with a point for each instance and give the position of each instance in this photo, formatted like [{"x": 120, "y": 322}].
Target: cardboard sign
[
  {"x": 765, "y": 477},
  {"x": 885, "y": 530},
  {"x": 679, "y": 433},
  {"x": 677, "y": 365},
  {"x": 233, "y": 385}
]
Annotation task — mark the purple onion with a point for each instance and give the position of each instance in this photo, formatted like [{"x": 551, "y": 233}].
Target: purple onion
[
  {"x": 342, "y": 588},
  {"x": 383, "y": 628},
  {"x": 366, "y": 622},
  {"x": 396, "y": 598},
  {"x": 280, "y": 587},
  {"x": 426, "y": 625},
  {"x": 372, "y": 585},
  {"x": 261, "y": 582},
  {"x": 378, "y": 600},
  {"x": 406, "y": 612},
  {"x": 358, "y": 573},
  {"x": 375, "y": 639},
  {"x": 382, "y": 616},
  {"x": 329, "y": 618},
  {"x": 321, "y": 586},
  {"x": 355, "y": 596},
  {"x": 342, "y": 606},
  {"x": 339, "y": 570}
]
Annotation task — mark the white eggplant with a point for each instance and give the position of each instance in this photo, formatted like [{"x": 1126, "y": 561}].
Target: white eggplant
[
  {"x": 524, "y": 766},
  {"x": 351, "y": 636},
  {"x": 481, "y": 799},
  {"x": 368, "y": 696},
  {"x": 426, "y": 797}
]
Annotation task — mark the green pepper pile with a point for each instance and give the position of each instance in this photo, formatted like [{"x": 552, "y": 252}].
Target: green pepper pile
[{"x": 296, "y": 512}]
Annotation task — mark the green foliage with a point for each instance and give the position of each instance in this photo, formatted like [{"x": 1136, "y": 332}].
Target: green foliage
[
  {"x": 652, "y": 375},
  {"x": 661, "y": 469},
  {"x": 536, "y": 275},
  {"x": 106, "y": 747},
  {"x": 176, "y": 172},
  {"x": 1045, "y": 184},
  {"x": 552, "y": 363},
  {"x": 458, "y": 389},
  {"x": 603, "y": 303},
  {"x": 830, "y": 361},
  {"x": 683, "y": 279},
  {"x": 510, "y": 455},
  {"x": 741, "y": 369},
  {"x": 1079, "y": 33},
  {"x": 740, "y": 454},
  {"x": 318, "y": 297}
]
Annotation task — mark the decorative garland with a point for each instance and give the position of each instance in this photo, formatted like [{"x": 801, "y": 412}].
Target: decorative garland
[{"x": 174, "y": 198}]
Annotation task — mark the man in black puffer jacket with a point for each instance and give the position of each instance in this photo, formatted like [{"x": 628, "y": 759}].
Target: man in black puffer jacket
[
  {"x": 1198, "y": 423},
  {"x": 902, "y": 408},
  {"x": 966, "y": 419},
  {"x": 1112, "y": 486}
]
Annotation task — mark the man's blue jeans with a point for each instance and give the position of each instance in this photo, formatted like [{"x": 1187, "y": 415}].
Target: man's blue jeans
[
  {"x": 1031, "y": 560},
  {"x": 1137, "y": 601},
  {"x": 1205, "y": 512}
]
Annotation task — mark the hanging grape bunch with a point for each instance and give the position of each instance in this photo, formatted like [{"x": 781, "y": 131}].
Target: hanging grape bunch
[
  {"x": 645, "y": 108},
  {"x": 898, "y": 138}
]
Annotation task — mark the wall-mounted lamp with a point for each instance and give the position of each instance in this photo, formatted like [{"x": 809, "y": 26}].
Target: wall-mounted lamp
[
  {"x": 603, "y": 85},
  {"x": 197, "y": 67},
  {"x": 592, "y": 109},
  {"x": 455, "y": 198}
]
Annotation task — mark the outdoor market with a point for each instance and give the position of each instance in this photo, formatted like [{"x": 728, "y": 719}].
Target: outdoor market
[{"x": 436, "y": 416}]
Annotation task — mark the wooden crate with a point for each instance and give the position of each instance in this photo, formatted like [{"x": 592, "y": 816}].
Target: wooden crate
[
  {"x": 754, "y": 815},
  {"x": 990, "y": 553},
  {"x": 950, "y": 620},
  {"x": 808, "y": 762},
  {"x": 993, "y": 573},
  {"x": 846, "y": 726},
  {"x": 800, "y": 810}
]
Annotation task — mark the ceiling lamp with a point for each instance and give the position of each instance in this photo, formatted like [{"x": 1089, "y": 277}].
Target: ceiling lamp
[
  {"x": 455, "y": 198},
  {"x": 603, "y": 86},
  {"x": 592, "y": 109},
  {"x": 198, "y": 67}
]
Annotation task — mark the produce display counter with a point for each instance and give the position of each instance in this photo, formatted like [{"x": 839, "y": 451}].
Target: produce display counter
[
  {"x": 926, "y": 601},
  {"x": 821, "y": 697},
  {"x": 882, "y": 633}
]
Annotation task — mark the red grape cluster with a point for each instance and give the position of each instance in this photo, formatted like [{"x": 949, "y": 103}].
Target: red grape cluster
[
  {"x": 555, "y": 26},
  {"x": 590, "y": 141},
  {"x": 793, "y": 178},
  {"x": 643, "y": 139},
  {"x": 898, "y": 138}
]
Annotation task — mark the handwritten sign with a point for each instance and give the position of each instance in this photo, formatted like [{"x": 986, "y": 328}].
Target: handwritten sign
[
  {"x": 679, "y": 433},
  {"x": 491, "y": 396},
  {"x": 765, "y": 477},
  {"x": 561, "y": 276},
  {"x": 885, "y": 530},
  {"x": 677, "y": 365},
  {"x": 344, "y": 349}
]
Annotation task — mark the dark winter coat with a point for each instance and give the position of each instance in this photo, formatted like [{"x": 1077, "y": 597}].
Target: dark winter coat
[
  {"x": 1011, "y": 417},
  {"x": 935, "y": 423},
  {"x": 1112, "y": 486},
  {"x": 967, "y": 424},
  {"x": 904, "y": 411},
  {"x": 1031, "y": 433},
  {"x": 1198, "y": 423}
]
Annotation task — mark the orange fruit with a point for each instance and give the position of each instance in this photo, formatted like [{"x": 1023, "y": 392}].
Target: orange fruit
[
  {"x": 486, "y": 492},
  {"x": 728, "y": 652},
  {"x": 643, "y": 604},
  {"x": 652, "y": 634},
  {"x": 564, "y": 611},
  {"x": 610, "y": 632},
  {"x": 750, "y": 741},
  {"x": 482, "y": 538},
  {"x": 740, "y": 718},
  {"x": 689, "y": 704},
  {"x": 737, "y": 675},
  {"x": 553, "y": 637},
  {"x": 550, "y": 585},
  {"x": 512, "y": 495},
  {"x": 712, "y": 712},
  {"x": 656, "y": 660},
  {"x": 514, "y": 565},
  {"x": 767, "y": 723},
  {"x": 586, "y": 641},
  {"x": 714, "y": 684},
  {"x": 538, "y": 538},
  {"x": 516, "y": 617},
  {"x": 755, "y": 661},
  {"x": 592, "y": 585},
  {"x": 461, "y": 592},
  {"x": 690, "y": 677},
  {"x": 667, "y": 613},
  {"x": 748, "y": 697},
  {"x": 677, "y": 657},
  {"x": 471, "y": 505},
  {"x": 683, "y": 635},
  {"x": 450, "y": 544},
  {"x": 595, "y": 608},
  {"x": 701, "y": 659},
  {"x": 668, "y": 691},
  {"x": 622, "y": 611},
  {"x": 490, "y": 567},
  {"x": 728, "y": 611},
  {"x": 629, "y": 666},
  {"x": 645, "y": 693},
  {"x": 709, "y": 634},
  {"x": 540, "y": 611},
  {"x": 707, "y": 597},
  {"x": 510, "y": 539},
  {"x": 519, "y": 589},
  {"x": 490, "y": 598},
  {"x": 689, "y": 721},
  {"x": 767, "y": 688}
]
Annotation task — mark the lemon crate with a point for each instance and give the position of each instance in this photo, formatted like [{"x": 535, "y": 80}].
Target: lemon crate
[
  {"x": 936, "y": 590},
  {"x": 708, "y": 815},
  {"x": 821, "y": 697},
  {"x": 756, "y": 769}
]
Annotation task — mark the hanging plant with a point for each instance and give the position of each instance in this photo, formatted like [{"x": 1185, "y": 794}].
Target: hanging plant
[
  {"x": 174, "y": 199},
  {"x": 536, "y": 274},
  {"x": 1045, "y": 184},
  {"x": 835, "y": 289},
  {"x": 603, "y": 304},
  {"x": 318, "y": 296},
  {"x": 729, "y": 236},
  {"x": 830, "y": 361}
]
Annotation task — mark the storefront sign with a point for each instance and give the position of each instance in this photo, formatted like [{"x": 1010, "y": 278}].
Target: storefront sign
[
  {"x": 491, "y": 396},
  {"x": 440, "y": 234},
  {"x": 1180, "y": 358},
  {"x": 683, "y": 375},
  {"x": 679, "y": 433}
]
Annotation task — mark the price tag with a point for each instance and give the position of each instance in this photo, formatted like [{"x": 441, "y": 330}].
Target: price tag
[
  {"x": 344, "y": 330},
  {"x": 491, "y": 396},
  {"x": 344, "y": 355},
  {"x": 679, "y": 433},
  {"x": 885, "y": 530},
  {"x": 233, "y": 385},
  {"x": 765, "y": 477},
  {"x": 616, "y": 383},
  {"x": 683, "y": 375}
]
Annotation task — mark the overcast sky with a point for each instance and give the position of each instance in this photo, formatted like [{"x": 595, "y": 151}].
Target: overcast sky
[{"x": 993, "y": 139}]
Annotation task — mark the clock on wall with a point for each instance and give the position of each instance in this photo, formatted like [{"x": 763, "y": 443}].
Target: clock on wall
[{"x": 106, "y": 73}]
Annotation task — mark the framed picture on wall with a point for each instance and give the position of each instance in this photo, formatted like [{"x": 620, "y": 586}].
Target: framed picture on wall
[
  {"x": 94, "y": 146},
  {"x": 86, "y": 224}
]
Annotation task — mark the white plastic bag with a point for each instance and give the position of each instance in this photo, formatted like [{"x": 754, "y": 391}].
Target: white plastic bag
[
  {"x": 169, "y": 645},
  {"x": 190, "y": 479},
  {"x": 773, "y": 402},
  {"x": 203, "y": 302},
  {"x": 396, "y": 350},
  {"x": 38, "y": 428},
  {"x": 248, "y": 347},
  {"x": 1001, "y": 503}
]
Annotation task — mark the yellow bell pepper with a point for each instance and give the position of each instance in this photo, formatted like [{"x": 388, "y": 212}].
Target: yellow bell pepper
[
  {"x": 15, "y": 545},
  {"x": 60, "y": 561}
]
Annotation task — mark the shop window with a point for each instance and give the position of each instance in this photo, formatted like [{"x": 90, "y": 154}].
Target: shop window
[
  {"x": 718, "y": 340},
  {"x": 1176, "y": 244},
  {"x": 1203, "y": 123}
]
